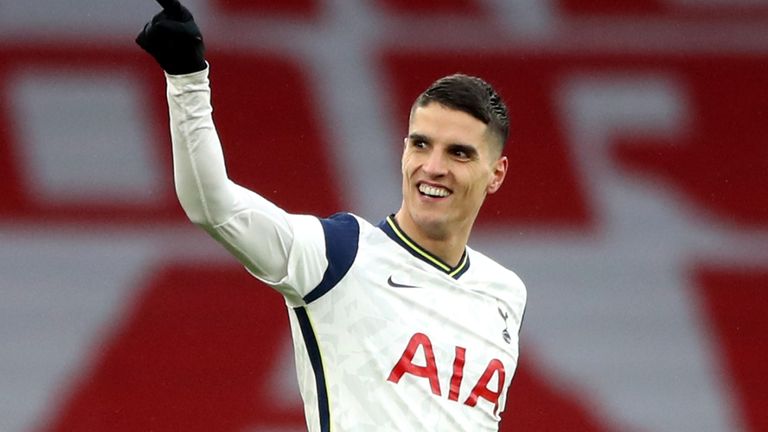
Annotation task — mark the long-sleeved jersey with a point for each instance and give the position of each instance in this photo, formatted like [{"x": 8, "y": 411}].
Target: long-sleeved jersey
[{"x": 387, "y": 336}]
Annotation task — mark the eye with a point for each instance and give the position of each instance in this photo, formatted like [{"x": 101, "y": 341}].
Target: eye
[
  {"x": 419, "y": 143},
  {"x": 461, "y": 154}
]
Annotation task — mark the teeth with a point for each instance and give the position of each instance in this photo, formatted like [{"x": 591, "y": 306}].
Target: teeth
[{"x": 433, "y": 191}]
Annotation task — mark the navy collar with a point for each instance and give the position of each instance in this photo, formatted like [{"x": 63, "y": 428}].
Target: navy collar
[{"x": 393, "y": 231}]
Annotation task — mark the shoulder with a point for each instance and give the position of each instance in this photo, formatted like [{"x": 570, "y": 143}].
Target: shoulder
[
  {"x": 341, "y": 232},
  {"x": 342, "y": 235},
  {"x": 500, "y": 282},
  {"x": 341, "y": 224},
  {"x": 346, "y": 228},
  {"x": 495, "y": 274},
  {"x": 341, "y": 228}
]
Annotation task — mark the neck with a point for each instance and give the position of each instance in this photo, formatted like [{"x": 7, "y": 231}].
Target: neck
[{"x": 448, "y": 245}]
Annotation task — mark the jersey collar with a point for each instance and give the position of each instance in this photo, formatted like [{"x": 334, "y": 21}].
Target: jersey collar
[{"x": 393, "y": 230}]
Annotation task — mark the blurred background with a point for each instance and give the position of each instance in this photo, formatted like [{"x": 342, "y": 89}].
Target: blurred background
[{"x": 636, "y": 207}]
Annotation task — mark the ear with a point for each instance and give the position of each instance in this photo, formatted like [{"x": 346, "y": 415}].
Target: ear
[
  {"x": 498, "y": 174},
  {"x": 402, "y": 155}
]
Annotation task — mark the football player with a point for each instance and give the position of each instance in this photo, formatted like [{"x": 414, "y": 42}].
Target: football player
[{"x": 397, "y": 325}]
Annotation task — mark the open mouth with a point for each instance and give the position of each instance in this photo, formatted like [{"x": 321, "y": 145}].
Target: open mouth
[{"x": 433, "y": 191}]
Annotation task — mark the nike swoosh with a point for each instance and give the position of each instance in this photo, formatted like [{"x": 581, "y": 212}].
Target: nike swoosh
[{"x": 397, "y": 285}]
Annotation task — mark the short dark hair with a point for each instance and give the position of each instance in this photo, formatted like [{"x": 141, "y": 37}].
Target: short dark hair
[{"x": 473, "y": 96}]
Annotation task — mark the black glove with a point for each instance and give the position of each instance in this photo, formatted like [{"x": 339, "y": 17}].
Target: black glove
[{"x": 173, "y": 39}]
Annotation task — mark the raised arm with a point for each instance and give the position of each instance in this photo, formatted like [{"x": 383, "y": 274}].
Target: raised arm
[{"x": 257, "y": 232}]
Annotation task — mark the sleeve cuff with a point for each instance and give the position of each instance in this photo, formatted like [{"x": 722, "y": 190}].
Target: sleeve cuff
[{"x": 193, "y": 77}]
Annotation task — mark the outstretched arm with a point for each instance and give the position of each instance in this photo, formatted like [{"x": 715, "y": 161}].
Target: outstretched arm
[{"x": 257, "y": 232}]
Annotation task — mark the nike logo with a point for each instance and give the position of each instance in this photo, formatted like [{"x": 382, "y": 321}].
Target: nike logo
[{"x": 397, "y": 285}]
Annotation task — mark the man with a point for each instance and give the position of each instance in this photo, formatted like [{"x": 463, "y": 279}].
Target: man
[{"x": 399, "y": 326}]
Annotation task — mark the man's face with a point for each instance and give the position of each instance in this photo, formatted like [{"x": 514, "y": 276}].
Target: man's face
[{"x": 450, "y": 163}]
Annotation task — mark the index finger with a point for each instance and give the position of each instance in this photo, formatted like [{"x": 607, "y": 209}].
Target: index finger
[{"x": 169, "y": 5}]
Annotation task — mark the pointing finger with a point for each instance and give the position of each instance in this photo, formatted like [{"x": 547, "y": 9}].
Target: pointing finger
[{"x": 170, "y": 5}]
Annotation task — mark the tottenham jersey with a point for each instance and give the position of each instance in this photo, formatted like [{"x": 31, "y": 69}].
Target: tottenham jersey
[
  {"x": 394, "y": 339},
  {"x": 387, "y": 336}
]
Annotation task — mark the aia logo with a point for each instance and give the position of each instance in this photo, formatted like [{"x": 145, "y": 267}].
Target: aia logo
[{"x": 481, "y": 390}]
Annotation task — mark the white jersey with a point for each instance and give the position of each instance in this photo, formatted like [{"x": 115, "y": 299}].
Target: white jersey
[{"x": 387, "y": 336}]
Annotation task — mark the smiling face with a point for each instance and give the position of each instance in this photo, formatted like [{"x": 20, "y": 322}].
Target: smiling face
[{"x": 450, "y": 163}]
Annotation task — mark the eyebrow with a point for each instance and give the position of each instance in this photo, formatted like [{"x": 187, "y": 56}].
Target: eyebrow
[
  {"x": 419, "y": 137},
  {"x": 470, "y": 150}
]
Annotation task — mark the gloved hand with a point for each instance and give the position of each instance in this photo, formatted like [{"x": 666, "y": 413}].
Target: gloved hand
[{"x": 173, "y": 39}]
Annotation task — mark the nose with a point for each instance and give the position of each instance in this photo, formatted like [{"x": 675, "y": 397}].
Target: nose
[{"x": 435, "y": 164}]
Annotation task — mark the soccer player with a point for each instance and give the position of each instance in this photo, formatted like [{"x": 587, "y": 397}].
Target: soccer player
[{"x": 398, "y": 326}]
